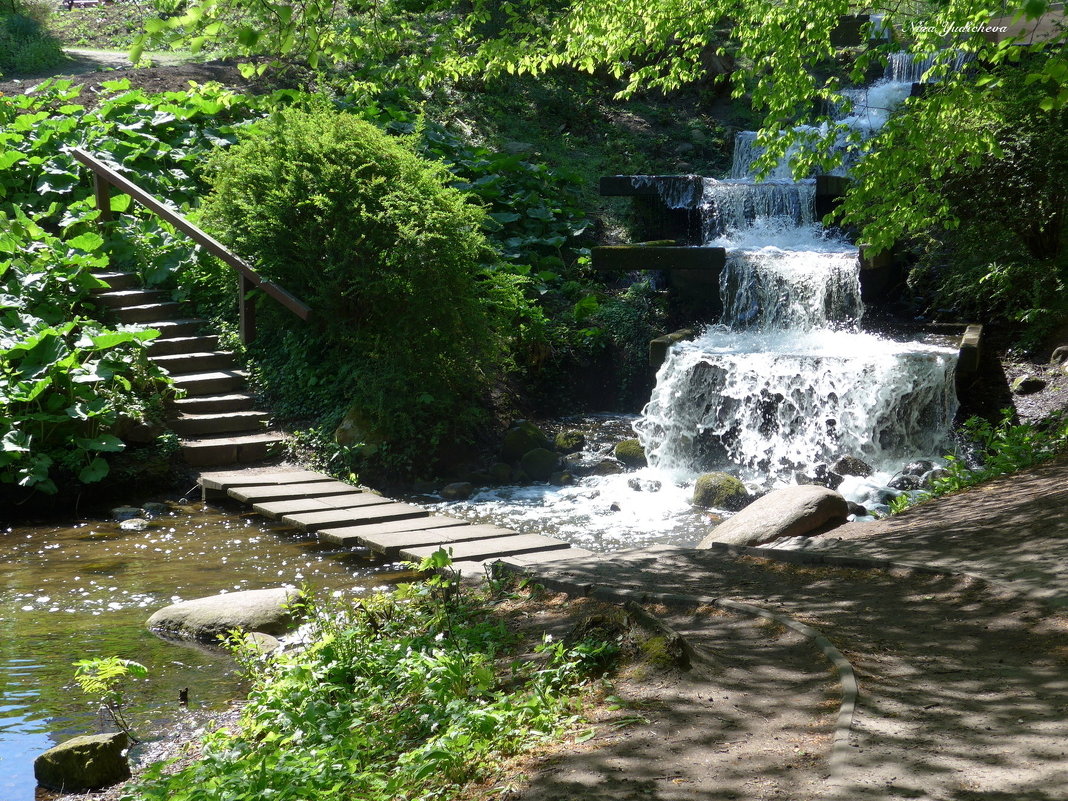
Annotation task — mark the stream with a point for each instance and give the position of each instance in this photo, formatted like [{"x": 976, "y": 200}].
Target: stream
[{"x": 85, "y": 591}]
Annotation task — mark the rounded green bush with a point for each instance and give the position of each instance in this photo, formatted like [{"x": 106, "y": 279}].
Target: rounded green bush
[{"x": 411, "y": 324}]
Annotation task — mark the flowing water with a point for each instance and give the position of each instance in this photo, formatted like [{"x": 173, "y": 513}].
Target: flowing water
[
  {"x": 787, "y": 379},
  {"x": 85, "y": 591}
]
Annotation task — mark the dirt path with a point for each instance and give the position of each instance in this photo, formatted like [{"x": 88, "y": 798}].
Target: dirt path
[{"x": 963, "y": 683}]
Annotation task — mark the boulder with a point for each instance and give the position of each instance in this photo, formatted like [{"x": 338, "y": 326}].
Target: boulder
[
  {"x": 1060, "y": 356},
  {"x": 570, "y": 441},
  {"x": 520, "y": 439},
  {"x": 1027, "y": 385},
  {"x": 155, "y": 509},
  {"x": 85, "y": 763},
  {"x": 856, "y": 509},
  {"x": 630, "y": 452},
  {"x": 561, "y": 478},
  {"x": 789, "y": 512},
  {"x": 852, "y": 466},
  {"x": 606, "y": 467},
  {"x": 540, "y": 463},
  {"x": 457, "y": 491},
  {"x": 500, "y": 473},
  {"x": 206, "y": 619},
  {"x": 719, "y": 491}
]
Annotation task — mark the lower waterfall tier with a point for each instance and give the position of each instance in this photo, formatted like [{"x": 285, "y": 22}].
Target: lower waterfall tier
[{"x": 764, "y": 404}]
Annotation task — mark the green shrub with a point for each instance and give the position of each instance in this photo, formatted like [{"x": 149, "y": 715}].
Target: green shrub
[
  {"x": 412, "y": 324},
  {"x": 26, "y": 47}
]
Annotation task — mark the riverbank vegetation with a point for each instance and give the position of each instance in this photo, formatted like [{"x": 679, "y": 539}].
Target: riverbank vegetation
[{"x": 411, "y": 694}]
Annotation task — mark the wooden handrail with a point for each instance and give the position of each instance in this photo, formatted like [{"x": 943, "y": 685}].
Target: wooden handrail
[{"x": 104, "y": 177}]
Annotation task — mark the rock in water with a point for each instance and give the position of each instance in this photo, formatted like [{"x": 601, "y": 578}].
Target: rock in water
[
  {"x": 206, "y": 618},
  {"x": 789, "y": 512},
  {"x": 540, "y": 463},
  {"x": 84, "y": 763},
  {"x": 521, "y": 438},
  {"x": 630, "y": 452},
  {"x": 457, "y": 491},
  {"x": 719, "y": 491},
  {"x": 852, "y": 466}
]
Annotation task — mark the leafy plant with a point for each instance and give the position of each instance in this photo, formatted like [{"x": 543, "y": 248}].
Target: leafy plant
[
  {"x": 368, "y": 234},
  {"x": 410, "y": 694},
  {"x": 105, "y": 680}
]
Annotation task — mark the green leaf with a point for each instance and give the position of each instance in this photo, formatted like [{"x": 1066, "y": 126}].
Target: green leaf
[
  {"x": 94, "y": 471},
  {"x": 104, "y": 442},
  {"x": 88, "y": 241}
]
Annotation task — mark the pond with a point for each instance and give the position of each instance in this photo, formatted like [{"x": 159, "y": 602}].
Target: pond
[{"x": 84, "y": 591}]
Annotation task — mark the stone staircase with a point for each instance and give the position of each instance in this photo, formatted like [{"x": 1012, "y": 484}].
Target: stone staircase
[{"x": 216, "y": 420}]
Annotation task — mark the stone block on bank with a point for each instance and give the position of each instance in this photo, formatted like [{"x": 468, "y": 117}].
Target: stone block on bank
[
  {"x": 789, "y": 512},
  {"x": 85, "y": 763}
]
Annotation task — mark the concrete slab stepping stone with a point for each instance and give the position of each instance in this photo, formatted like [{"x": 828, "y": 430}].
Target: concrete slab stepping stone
[
  {"x": 246, "y": 478},
  {"x": 391, "y": 544},
  {"x": 355, "y": 535},
  {"x": 330, "y": 518},
  {"x": 487, "y": 549},
  {"x": 287, "y": 492},
  {"x": 275, "y": 509}
]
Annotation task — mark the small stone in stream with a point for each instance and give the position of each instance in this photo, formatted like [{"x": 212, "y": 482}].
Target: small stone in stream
[
  {"x": 917, "y": 468},
  {"x": 155, "y": 509},
  {"x": 856, "y": 509},
  {"x": 852, "y": 466},
  {"x": 615, "y": 507},
  {"x": 125, "y": 512},
  {"x": 928, "y": 479},
  {"x": 457, "y": 491},
  {"x": 561, "y": 478},
  {"x": 905, "y": 481},
  {"x": 644, "y": 485},
  {"x": 134, "y": 524}
]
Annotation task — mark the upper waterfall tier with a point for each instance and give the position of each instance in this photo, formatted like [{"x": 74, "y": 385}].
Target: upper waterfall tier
[{"x": 735, "y": 204}]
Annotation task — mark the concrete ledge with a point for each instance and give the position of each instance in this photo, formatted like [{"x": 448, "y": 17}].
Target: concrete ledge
[
  {"x": 626, "y": 258},
  {"x": 968, "y": 356},
  {"x": 658, "y": 347},
  {"x": 647, "y": 185}
]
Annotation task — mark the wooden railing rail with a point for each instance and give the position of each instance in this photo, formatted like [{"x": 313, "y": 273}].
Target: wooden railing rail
[{"x": 247, "y": 278}]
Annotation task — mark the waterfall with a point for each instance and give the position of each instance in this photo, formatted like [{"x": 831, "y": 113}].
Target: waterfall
[{"x": 786, "y": 379}]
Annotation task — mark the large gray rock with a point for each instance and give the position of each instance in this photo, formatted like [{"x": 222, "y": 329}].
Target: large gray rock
[
  {"x": 540, "y": 463},
  {"x": 89, "y": 762},
  {"x": 521, "y": 438},
  {"x": 206, "y": 618},
  {"x": 789, "y": 512}
]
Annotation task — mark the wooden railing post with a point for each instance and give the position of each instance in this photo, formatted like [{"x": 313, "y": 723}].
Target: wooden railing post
[
  {"x": 103, "y": 196},
  {"x": 246, "y": 303}
]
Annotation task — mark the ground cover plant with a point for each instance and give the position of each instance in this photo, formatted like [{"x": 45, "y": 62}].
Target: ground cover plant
[
  {"x": 27, "y": 46},
  {"x": 72, "y": 382},
  {"x": 409, "y": 694}
]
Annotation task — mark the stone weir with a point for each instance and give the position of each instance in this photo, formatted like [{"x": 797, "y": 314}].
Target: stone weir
[{"x": 356, "y": 517}]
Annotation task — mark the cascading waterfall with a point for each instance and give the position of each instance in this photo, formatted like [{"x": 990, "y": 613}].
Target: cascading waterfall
[{"x": 786, "y": 380}]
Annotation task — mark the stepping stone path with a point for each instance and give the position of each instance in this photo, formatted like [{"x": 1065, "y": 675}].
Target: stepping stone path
[
  {"x": 216, "y": 419},
  {"x": 350, "y": 516}
]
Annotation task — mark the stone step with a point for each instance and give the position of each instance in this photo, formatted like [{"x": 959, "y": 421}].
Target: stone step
[
  {"x": 288, "y": 492},
  {"x": 363, "y": 536},
  {"x": 356, "y": 498},
  {"x": 122, "y": 298},
  {"x": 119, "y": 280},
  {"x": 210, "y": 383},
  {"x": 177, "y": 329},
  {"x": 246, "y": 478},
  {"x": 195, "y": 362},
  {"x": 392, "y": 543},
  {"x": 196, "y": 425},
  {"x": 488, "y": 548},
  {"x": 332, "y": 518},
  {"x": 211, "y": 404},
  {"x": 148, "y": 312},
  {"x": 170, "y": 347},
  {"x": 211, "y": 451}
]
